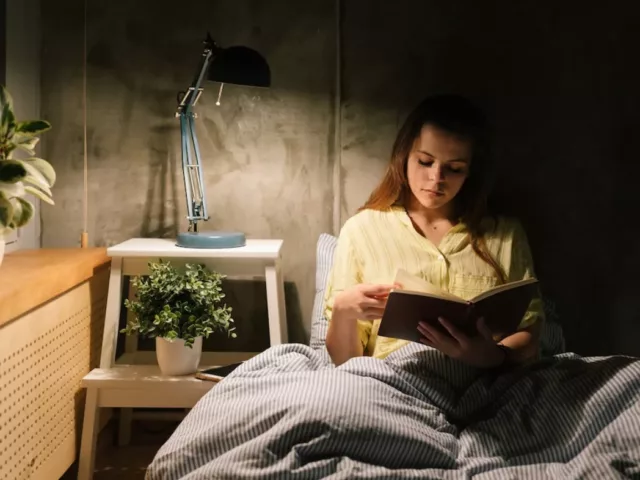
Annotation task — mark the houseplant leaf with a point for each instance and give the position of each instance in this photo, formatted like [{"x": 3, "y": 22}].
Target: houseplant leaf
[
  {"x": 22, "y": 212},
  {"x": 38, "y": 182},
  {"x": 43, "y": 167},
  {"x": 183, "y": 303},
  {"x": 6, "y": 211},
  {"x": 6, "y": 111},
  {"x": 34, "y": 177},
  {"x": 7, "y": 122},
  {"x": 26, "y": 143},
  {"x": 33, "y": 127},
  {"x": 19, "y": 177},
  {"x": 5, "y": 98},
  {"x": 11, "y": 190},
  {"x": 12, "y": 171},
  {"x": 39, "y": 193}
]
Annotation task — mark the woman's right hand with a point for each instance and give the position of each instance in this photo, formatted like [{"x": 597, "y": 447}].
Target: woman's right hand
[{"x": 362, "y": 302}]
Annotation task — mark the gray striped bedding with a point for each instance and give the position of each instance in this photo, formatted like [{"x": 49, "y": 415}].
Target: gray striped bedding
[{"x": 288, "y": 413}]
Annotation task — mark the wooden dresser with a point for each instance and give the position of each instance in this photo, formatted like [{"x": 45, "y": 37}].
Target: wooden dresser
[{"x": 52, "y": 307}]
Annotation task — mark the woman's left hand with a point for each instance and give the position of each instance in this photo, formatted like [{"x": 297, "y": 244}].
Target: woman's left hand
[{"x": 479, "y": 351}]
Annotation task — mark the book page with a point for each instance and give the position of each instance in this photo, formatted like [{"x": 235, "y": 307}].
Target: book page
[
  {"x": 411, "y": 283},
  {"x": 503, "y": 288}
]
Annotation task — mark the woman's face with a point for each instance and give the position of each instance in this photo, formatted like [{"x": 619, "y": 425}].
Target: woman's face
[{"x": 437, "y": 167}]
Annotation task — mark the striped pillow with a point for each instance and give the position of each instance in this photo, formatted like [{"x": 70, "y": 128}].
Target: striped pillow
[{"x": 325, "y": 249}]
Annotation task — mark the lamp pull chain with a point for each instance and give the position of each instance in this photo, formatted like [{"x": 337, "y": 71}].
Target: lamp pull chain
[{"x": 220, "y": 94}]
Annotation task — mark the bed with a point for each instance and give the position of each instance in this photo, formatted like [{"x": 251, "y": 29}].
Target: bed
[{"x": 289, "y": 413}]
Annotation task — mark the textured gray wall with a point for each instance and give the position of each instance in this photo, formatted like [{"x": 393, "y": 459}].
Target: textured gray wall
[
  {"x": 22, "y": 79},
  {"x": 3, "y": 40},
  {"x": 266, "y": 152},
  {"x": 558, "y": 78}
]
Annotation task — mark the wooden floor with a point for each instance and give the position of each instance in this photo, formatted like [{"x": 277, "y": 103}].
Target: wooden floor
[{"x": 130, "y": 462}]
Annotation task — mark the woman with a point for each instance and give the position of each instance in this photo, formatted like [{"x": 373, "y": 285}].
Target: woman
[{"x": 428, "y": 216}]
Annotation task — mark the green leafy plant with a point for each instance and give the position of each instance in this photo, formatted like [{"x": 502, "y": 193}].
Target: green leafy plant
[
  {"x": 19, "y": 177},
  {"x": 172, "y": 303}
]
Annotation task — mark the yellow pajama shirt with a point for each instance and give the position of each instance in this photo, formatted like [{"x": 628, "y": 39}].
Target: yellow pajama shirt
[{"x": 373, "y": 244}]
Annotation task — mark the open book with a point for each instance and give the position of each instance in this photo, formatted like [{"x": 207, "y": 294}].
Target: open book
[{"x": 502, "y": 307}]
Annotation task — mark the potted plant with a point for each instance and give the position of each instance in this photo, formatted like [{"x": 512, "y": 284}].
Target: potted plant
[
  {"x": 178, "y": 307},
  {"x": 19, "y": 177}
]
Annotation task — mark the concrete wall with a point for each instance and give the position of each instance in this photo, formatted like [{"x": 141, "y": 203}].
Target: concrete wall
[
  {"x": 266, "y": 152},
  {"x": 558, "y": 78},
  {"x": 3, "y": 40},
  {"x": 22, "y": 79}
]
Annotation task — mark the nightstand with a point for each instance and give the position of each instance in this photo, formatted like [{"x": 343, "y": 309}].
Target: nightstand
[{"x": 134, "y": 381}]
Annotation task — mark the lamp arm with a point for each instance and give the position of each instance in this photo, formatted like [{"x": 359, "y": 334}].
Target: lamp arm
[{"x": 191, "y": 165}]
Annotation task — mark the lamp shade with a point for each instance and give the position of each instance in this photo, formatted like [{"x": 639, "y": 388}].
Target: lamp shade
[{"x": 240, "y": 66}]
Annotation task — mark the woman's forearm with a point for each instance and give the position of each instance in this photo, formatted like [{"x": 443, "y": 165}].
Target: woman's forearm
[
  {"x": 523, "y": 345},
  {"x": 343, "y": 341}
]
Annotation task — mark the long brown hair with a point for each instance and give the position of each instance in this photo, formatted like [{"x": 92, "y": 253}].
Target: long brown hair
[{"x": 457, "y": 115}]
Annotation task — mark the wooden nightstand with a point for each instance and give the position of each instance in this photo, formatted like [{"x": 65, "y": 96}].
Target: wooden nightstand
[{"x": 129, "y": 383}]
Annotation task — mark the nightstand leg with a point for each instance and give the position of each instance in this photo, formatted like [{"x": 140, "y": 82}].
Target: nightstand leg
[
  {"x": 89, "y": 436},
  {"x": 126, "y": 414},
  {"x": 124, "y": 426},
  {"x": 112, "y": 315},
  {"x": 276, "y": 304}
]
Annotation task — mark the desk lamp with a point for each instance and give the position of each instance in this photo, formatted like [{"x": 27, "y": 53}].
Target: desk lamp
[{"x": 236, "y": 65}]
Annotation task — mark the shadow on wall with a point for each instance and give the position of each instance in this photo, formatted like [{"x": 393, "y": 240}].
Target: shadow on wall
[
  {"x": 570, "y": 185},
  {"x": 564, "y": 103},
  {"x": 163, "y": 191}
]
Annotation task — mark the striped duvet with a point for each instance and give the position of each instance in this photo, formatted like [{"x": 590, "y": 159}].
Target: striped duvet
[{"x": 288, "y": 413}]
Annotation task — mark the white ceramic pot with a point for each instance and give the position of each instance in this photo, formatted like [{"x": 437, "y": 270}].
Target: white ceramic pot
[
  {"x": 1, "y": 250},
  {"x": 176, "y": 359}
]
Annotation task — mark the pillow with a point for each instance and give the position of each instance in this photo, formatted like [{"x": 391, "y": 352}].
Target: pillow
[
  {"x": 551, "y": 338},
  {"x": 325, "y": 250}
]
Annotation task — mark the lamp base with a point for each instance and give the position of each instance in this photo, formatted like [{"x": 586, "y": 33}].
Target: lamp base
[{"x": 211, "y": 239}]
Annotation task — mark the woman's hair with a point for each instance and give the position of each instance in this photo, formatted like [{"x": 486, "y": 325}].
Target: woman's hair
[{"x": 456, "y": 115}]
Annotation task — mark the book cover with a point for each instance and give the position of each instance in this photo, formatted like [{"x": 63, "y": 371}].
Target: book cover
[{"x": 502, "y": 307}]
